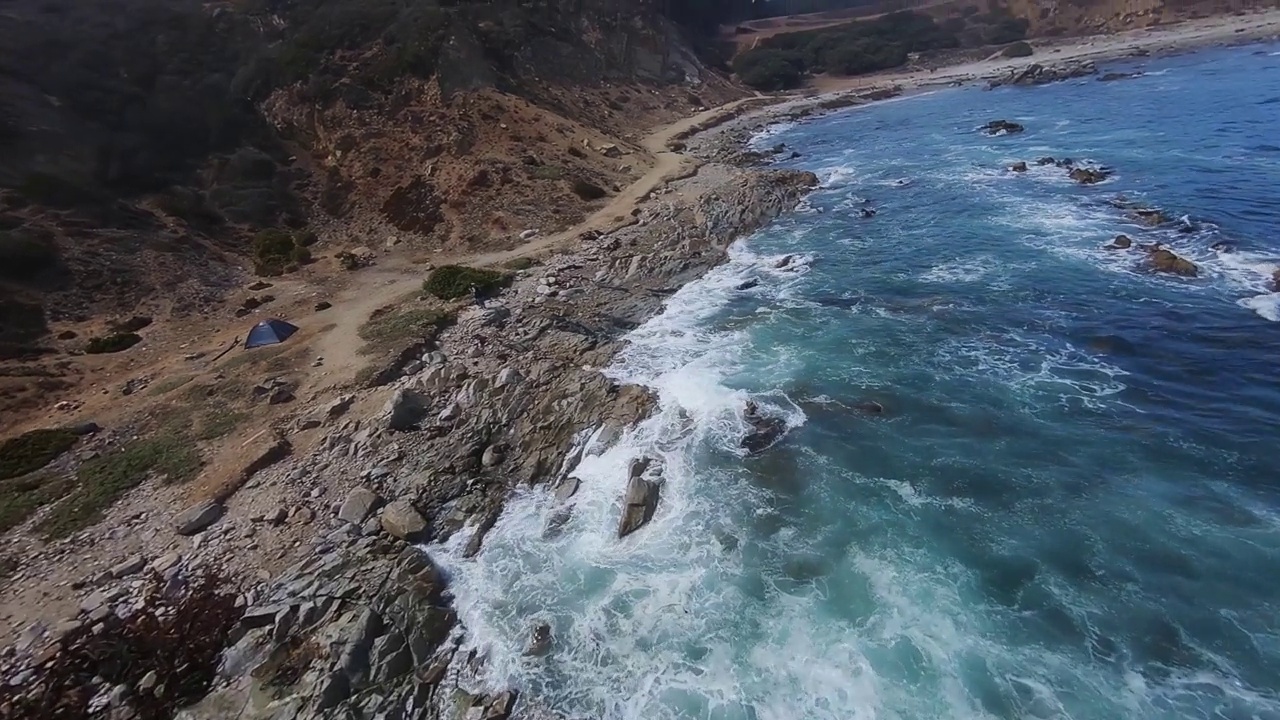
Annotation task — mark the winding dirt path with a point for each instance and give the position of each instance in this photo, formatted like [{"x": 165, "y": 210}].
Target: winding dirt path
[{"x": 339, "y": 344}]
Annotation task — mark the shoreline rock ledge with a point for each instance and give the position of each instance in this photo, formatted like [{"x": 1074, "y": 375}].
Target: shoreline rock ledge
[{"x": 363, "y": 623}]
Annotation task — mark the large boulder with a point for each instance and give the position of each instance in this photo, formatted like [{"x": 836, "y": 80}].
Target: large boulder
[
  {"x": 641, "y": 500},
  {"x": 1088, "y": 176},
  {"x": 405, "y": 410},
  {"x": 198, "y": 518},
  {"x": 402, "y": 520},
  {"x": 1162, "y": 260},
  {"x": 359, "y": 505}
]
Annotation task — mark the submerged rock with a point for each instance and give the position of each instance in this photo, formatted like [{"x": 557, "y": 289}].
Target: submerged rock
[
  {"x": 765, "y": 430},
  {"x": 640, "y": 501},
  {"x": 1002, "y": 127},
  {"x": 1018, "y": 167},
  {"x": 1122, "y": 242},
  {"x": 539, "y": 640},
  {"x": 1150, "y": 217},
  {"x": 1162, "y": 260},
  {"x": 747, "y": 284},
  {"x": 1088, "y": 176},
  {"x": 1046, "y": 161}
]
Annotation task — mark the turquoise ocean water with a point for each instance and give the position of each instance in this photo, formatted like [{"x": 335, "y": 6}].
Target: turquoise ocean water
[{"x": 1070, "y": 506}]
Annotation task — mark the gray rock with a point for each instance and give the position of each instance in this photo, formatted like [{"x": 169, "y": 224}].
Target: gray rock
[
  {"x": 335, "y": 688},
  {"x": 492, "y": 456},
  {"x": 501, "y": 705},
  {"x": 405, "y": 410},
  {"x": 129, "y": 567},
  {"x": 164, "y": 562},
  {"x": 337, "y": 407},
  {"x": 148, "y": 681},
  {"x": 508, "y": 377},
  {"x": 403, "y": 521},
  {"x": 640, "y": 501},
  {"x": 197, "y": 518},
  {"x": 539, "y": 640},
  {"x": 358, "y": 506},
  {"x": 305, "y": 424},
  {"x": 450, "y": 413}
]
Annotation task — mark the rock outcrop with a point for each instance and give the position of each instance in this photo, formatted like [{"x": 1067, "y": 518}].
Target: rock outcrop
[
  {"x": 1002, "y": 127},
  {"x": 1165, "y": 261},
  {"x": 1121, "y": 242},
  {"x": 641, "y": 500},
  {"x": 1037, "y": 74}
]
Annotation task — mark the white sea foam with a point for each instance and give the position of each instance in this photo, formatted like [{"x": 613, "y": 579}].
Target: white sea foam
[
  {"x": 761, "y": 140},
  {"x": 970, "y": 270}
]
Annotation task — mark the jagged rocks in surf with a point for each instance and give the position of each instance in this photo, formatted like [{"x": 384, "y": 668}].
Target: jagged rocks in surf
[
  {"x": 784, "y": 262},
  {"x": 1088, "y": 176},
  {"x": 1002, "y": 127},
  {"x": 1122, "y": 242},
  {"x": 1018, "y": 167},
  {"x": 641, "y": 499},
  {"x": 1165, "y": 261},
  {"x": 539, "y": 640},
  {"x": 867, "y": 213},
  {"x": 1150, "y": 217},
  {"x": 1046, "y": 161},
  {"x": 748, "y": 284},
  {"x": 765, "y": 430}
]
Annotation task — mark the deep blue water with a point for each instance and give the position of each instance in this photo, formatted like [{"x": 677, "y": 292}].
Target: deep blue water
[{"x": 1070, "y": 507}]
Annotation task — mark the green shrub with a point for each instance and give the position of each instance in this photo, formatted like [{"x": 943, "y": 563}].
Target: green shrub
[
  {"x": 103, "y": 480},
  {"x": 587, "y": 190},
  {"x": 33, "y": 450},
  {"x": 20, "y": 498},
  {"x": 24, "y": 254},
  {"x": 770, "y": 69},
  {"x": 114, "y": 343},
  {"x": 52, "y": 190},
  {"x": 454, "y": 281},
  {"x": 1019, "y": 49},
  {"x": 276, "y": 252},
  {"x": 547, "y": 172}
]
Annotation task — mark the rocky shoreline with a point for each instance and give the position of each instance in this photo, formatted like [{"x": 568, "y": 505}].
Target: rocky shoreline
[{"x": 361, "y": 625}]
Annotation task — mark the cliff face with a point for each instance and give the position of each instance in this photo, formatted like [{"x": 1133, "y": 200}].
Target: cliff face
[
  {"x": 144, "y": 143},
  {"x": 1081, "y": 17}
]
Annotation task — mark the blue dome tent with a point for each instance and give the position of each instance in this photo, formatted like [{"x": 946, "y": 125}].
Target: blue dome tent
[{"x": 269, "y": 332}]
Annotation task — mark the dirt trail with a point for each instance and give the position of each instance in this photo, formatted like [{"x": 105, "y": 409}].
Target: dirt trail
[{"x": 382, "y": 284}]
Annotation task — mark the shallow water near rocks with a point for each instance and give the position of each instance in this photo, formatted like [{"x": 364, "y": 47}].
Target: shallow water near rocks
[{"x": 1069, "y": 507}]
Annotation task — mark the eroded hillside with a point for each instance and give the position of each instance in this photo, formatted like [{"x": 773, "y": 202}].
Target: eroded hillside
[{"x": 153, "y": 150}]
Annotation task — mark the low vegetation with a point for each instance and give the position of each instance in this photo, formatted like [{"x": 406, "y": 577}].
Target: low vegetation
[
  {"x": 395, "y": 325},
  {"x": 114, "y": 343},
  {"x": 276, "y": 252},
  {"x": 781, "y": 62},
  {"x": 20, "y": 498},
  {"x": 33, "y": 450},
  {"x": 103, "y": 480},
  {"x": 219, "y": 422},
  {"x": 24, "y": 254},
  {"x": 450, "y": 282},
  {"x": 178, "y": 636}
]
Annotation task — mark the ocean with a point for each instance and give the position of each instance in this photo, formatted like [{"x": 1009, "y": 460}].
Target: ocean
[{"x": 1024, "y": 477}]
